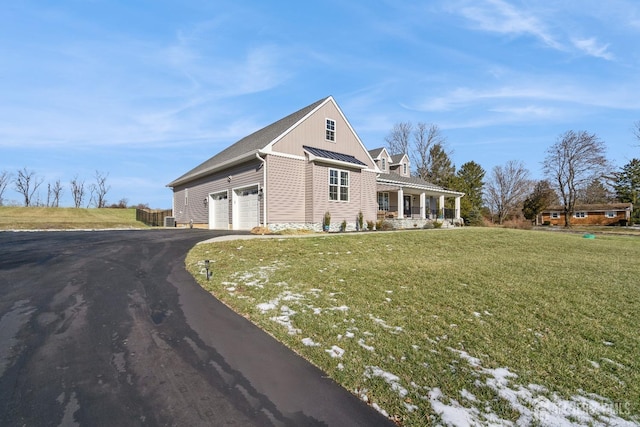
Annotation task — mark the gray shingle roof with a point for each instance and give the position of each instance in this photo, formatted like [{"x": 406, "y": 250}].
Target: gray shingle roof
[
  {"x": 375, "y": 152},
  {"x": 332, "y": 155},
  {"x": 413, "y": 181},
  {"x": 247, "y": 145},
  {"x": 396, "y": 158}
]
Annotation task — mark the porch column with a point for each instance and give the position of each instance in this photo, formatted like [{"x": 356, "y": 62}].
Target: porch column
[
  {"x": 422, "y": 207},
  {"x": 441, "y": 206},
  {"x": 400, "y": 203},
  {"x": 457, "y": 208}
]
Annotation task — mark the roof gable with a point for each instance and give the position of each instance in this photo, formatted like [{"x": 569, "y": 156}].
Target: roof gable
[{"x": 249, "y": 145}]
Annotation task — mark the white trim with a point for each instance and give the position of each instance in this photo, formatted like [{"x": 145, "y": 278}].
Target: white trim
[
  {"x": 327, "y": 129},
  {"x": 340, "y": 186},
  {"x": 436, "y": 190}
]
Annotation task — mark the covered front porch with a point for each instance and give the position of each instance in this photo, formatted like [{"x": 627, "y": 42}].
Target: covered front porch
[{"x": 401, "y": 202}]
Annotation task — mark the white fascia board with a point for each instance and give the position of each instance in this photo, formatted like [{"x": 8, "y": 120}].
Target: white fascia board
[{"x": 420, "y": 187}]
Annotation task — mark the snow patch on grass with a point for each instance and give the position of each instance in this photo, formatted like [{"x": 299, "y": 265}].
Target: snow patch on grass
[
  {"x": 388, "y": 377},
  {"x": 533, "y": 402}
]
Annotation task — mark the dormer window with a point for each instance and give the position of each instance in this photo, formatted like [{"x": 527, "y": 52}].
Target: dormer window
[
  {"x": 404, "y": 168},
  {"x": 384, "y": 164},
  {"x": 331, "y": 130}
]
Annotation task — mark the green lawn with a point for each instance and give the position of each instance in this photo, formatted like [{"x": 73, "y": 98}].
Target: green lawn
[
  {"x": 37, "y": 218},
  {"x": 477, "y": 325}
]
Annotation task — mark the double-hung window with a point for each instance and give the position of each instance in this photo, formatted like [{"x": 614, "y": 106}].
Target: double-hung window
[
  {"x": 610, "y": 214},
  {"x": 383, "y": 201},
  {"x": 330, "y": 134},
  {"x": 580, "y": 215},
  {"x": 338, "y": 185}
]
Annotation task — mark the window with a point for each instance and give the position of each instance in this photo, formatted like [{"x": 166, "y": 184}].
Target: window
[
  {"x": 338, "y": 185},
  {"x": 580, "y": 215},
  {"x": 610, "y": 214},
  {"x": 384, "y": 164},
  {"x": 555, "y": 215},
  {"x": 186, "y": 197},
  {"x": 331, "y": 130},
  {"x": 383, "y": 201},
  {"x": 404, "y": 168}
]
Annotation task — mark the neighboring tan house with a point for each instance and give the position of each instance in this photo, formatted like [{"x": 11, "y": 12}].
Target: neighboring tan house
[
  {"x": 288, "y": 174},
  {"x": 596, "y": 214}
]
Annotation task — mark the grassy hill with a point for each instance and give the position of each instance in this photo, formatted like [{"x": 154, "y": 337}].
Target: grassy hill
[{"x": 37, "y": 218}]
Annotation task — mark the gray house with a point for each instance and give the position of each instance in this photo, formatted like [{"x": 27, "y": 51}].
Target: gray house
[{"x": 288, "y": 174}]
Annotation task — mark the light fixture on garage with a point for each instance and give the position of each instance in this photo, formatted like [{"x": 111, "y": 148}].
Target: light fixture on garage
[
  {"x": 205, "y": 201},
  {"x": 260, "y": 194}
]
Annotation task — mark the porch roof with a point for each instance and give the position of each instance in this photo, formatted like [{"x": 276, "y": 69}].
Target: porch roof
[{"x": 392, "y": 181}]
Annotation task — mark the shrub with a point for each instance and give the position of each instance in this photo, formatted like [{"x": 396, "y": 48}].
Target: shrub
[
  {"x": 370, "y": 225},
  {"x": 437, "y": 224},
  {"x": 360, "y": 221},
  {"x": 428, "y": 226},
  {"x": 343, "y": 225}
]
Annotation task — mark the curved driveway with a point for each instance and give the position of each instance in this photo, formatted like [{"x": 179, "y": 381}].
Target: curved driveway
[{"x": 107, "y": 328}]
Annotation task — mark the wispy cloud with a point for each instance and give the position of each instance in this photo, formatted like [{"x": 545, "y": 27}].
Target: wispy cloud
[
  {"x": 591, "y": 47},
  {"x": 501, "y": 17}
]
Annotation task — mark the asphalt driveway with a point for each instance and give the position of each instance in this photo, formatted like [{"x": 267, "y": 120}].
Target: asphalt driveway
[{"x": 107, "y": 328}]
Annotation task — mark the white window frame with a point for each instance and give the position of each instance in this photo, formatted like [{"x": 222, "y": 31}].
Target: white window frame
[
  {"x": 404, "y": 168},
  {"x": 383, "y": 201},
  {"x": 580, "y": 214},
  {"x": 555, "y": 215},
  {"x": 186, "y": 197},
  {"x": 341, "y": 189},
  {"x": 610, "y": 214},
  {"x": 384, "y": 164},
  {"x": 330, "y": 130}
]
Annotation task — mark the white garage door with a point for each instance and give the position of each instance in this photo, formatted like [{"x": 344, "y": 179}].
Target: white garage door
[
  {"x": 247, "y": 209},
  {"x": 219, "y": 211}
]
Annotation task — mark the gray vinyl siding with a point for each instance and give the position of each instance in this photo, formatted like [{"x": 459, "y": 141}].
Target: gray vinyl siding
[
  {"x": 285, "y": 189},
  {"x": 241, "y": 176}
]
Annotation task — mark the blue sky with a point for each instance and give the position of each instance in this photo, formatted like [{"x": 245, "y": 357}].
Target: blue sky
[{"x": 146, "y": 90}]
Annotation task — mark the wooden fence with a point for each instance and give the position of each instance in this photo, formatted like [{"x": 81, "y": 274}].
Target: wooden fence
[{"x": 154, "y": 218}]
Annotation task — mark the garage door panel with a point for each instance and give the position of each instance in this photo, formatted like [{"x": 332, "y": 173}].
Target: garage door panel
[
  {"x": 248, "y": 208},
  {"x": 219, "y": 212}
]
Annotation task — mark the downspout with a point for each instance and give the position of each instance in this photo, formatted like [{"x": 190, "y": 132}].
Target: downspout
[{"x": 264, "y": 188}]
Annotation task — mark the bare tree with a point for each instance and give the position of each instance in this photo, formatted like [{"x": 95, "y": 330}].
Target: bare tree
[
  {"x": 425, "y": 137},
  {"x": 398, "y": 140},
  {"x": 5, "y": 179},
  {"x": 99, "y": 189},
  {"x": 77, "y": 191},
  {"x": 26, "y": 183},
  {"x": 576, "y": 159},
  {"x": 56, "y": 192},
  {"x": 636, "y": 129},
  {"x": 507, "y": 188}
]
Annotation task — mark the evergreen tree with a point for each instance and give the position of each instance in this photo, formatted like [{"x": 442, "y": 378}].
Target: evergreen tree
[
  {"x": 541, "y": 198},
  {"x": 441, "y": 170},
  {"x": 627, "y": 186},
  {"x": 469, "y": 180}
]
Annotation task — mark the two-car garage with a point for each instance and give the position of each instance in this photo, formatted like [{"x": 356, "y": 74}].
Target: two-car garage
[{"x": 245, "y": 209}]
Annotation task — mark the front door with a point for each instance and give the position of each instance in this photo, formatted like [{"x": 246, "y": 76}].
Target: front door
[{"x": 407, "y": 206}]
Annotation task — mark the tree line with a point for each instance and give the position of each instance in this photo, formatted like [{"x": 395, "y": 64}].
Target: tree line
[
  {"x": 575, "y": 167},
  {"x": 27, "y": 184}
]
